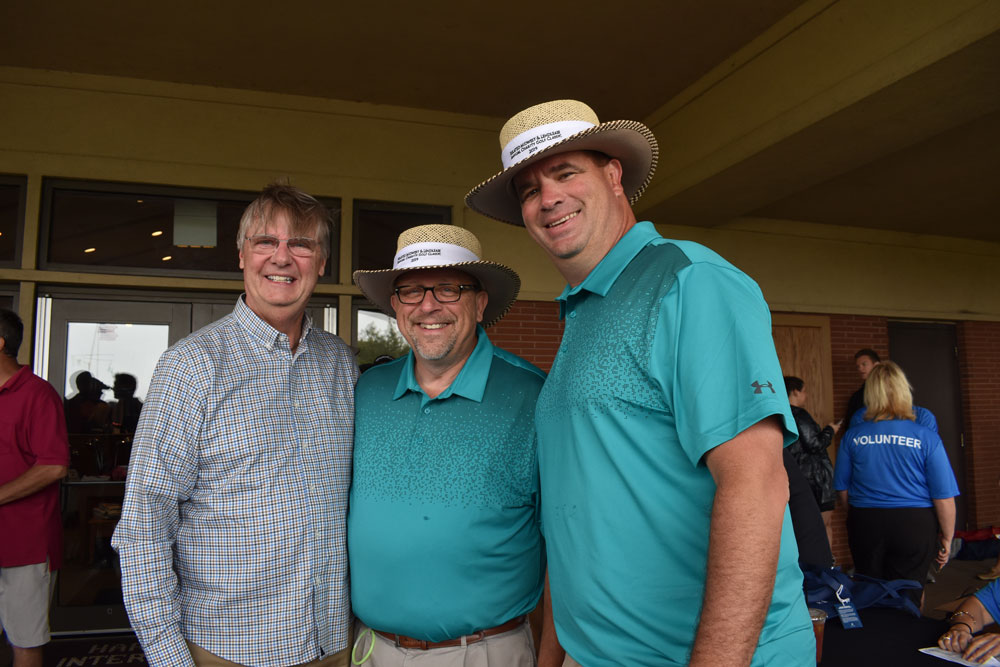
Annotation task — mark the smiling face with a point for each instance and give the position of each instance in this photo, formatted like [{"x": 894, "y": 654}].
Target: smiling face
[
  {"x": 574, "y": 206},
  {"x": 442, "y": 334},
  {"x": 279, "y": 284}
]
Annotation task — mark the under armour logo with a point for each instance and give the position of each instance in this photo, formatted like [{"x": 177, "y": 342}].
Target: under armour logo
[{"x": 758, "y": 388}]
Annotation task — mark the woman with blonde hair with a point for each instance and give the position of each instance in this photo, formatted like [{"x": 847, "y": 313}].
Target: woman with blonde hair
[{"x": 895, "y": 476}]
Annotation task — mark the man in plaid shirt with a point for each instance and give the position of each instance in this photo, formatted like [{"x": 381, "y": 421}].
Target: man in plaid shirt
[{"x": 232, "y": 537}]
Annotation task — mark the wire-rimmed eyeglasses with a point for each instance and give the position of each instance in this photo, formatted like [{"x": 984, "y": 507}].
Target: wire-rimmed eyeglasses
[
  {"x": 444, "y": 293},
  {"x": 266, "y": 244}
]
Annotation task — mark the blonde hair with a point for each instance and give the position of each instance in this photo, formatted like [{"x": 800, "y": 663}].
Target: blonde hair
[{"x": 888, "y": 394}]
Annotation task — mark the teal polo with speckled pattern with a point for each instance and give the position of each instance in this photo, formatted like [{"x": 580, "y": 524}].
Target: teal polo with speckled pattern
[
  {"x": 667, "y": 353},
  {"x": 443, "y": 528}
]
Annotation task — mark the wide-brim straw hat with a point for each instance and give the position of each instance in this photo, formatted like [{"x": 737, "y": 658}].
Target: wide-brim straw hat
[
  {"x": 442, "y": 247},
  {"x": 559, "y": 127}
]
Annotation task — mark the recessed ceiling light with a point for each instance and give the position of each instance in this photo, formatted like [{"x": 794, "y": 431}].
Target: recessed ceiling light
[
  {"x": 167, "y": 258},
  {"x": 90, "y": 249},
  {"x": 138, "y": 201},
  {"x": 158, "y": 232}
]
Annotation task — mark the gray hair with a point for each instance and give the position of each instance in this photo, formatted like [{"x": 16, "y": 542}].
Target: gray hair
[{"x": 305, "y": 214}]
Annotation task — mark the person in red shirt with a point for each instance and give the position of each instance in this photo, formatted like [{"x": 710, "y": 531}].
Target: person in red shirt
[{"x": 34, "y": 455}]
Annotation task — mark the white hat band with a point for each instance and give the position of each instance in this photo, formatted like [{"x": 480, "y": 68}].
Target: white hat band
[
  {"x": 531, "y": 141},
  {"x": 429, "y": 253}
]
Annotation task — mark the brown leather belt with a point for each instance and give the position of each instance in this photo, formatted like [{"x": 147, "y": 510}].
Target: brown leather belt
[{"x": 409, "y": 642}]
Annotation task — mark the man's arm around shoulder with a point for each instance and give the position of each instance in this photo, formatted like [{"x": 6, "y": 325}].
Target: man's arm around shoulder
[{"x": 744, "y": 541}]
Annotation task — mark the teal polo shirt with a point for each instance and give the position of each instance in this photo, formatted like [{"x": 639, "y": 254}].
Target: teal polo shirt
[
  {"x": 443, "y": 533},
  {"x": 667, "y": 353}
]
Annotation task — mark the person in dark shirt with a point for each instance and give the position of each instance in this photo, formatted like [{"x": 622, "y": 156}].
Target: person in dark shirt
[
  {"x": 126, "y": 408},
  {"x": 810, "y": 451},
  {"x": 865, "y": 360}
]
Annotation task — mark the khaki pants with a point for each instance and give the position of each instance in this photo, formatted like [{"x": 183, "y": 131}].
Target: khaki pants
[
  {"x": 509, "y": 649},
  {"x": 570, "y": 662},
  {"x": 203, "y": 658}
]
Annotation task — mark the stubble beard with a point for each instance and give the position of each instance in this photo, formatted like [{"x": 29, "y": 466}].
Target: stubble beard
[{"x": 434, "y": 352}]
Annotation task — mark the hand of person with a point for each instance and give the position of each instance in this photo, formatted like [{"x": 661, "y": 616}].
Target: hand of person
[
  {"x": 835, "y": 426},
  {"x": 956, "y": 639},
  {"x": 982, "y": 648},
  {"x": 943, "y": 554}
]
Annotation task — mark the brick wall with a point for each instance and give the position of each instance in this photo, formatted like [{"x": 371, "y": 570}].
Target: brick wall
[
  {"x": 532, "y": 330},
  {"x": 848, "y": 334},
  {"x": 979, "y": 369}
]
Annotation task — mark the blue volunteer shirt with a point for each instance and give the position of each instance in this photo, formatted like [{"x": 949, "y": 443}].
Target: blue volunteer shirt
[
  {"x": 893, "y": 463},
  {"x": 924, "y": 417},
  {"x": 990, "y": 597},
  {"x": 666, "y": 354},
  {"x": 443, "y": 531}
]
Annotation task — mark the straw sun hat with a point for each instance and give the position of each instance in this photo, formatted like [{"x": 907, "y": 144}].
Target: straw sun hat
[
  {"x": 559, "y": 127},
  {"x": 442, "y": 247}
]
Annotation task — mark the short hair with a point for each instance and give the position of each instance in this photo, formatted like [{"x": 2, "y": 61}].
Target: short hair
[
  {"x": 600, "y": 158},
  {"x": 126, "y": 380},
  {"x": 304, "y": 213},
  {"x": 867, "y": 352},
  {"x": 793, "y": 383},
  {"x": 888, "y": 394},
  {"x": 12, "y": 332}
]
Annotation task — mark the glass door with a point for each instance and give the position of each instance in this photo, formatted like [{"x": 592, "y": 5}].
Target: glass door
[{"x": 100, "y": 356}]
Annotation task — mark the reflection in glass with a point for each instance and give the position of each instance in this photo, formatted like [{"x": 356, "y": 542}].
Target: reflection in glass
[
  {"x": 151, "y": 227},
  {"x": 101, "y": 357},
  {"x": 106, "y": 349},
  {"x": 378, "y": 335},
  {"x": 129, "y": 230}
]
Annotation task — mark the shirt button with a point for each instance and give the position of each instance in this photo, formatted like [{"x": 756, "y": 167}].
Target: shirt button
[
  {"x": 427, "y": 411},
  {"x": 572, "y": 313}
]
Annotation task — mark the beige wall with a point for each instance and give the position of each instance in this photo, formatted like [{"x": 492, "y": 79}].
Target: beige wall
[{"x": 103, "y": 128}]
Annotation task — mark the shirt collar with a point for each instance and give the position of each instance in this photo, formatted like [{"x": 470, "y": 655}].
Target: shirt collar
[
  {"x": 470, "y": 381},
  {"x": 17, "y": 379},
  {"x": 603, "y": 276},
  {"x": 267, "y": 335}
]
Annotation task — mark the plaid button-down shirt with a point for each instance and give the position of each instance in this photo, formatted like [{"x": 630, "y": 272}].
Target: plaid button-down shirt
[{"x": 232, "y": 533}]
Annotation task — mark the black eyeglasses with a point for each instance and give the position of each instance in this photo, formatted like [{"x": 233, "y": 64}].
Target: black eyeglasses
[
  {"x": 444, "y": 293},
  {"x": 265, "y": 244}
]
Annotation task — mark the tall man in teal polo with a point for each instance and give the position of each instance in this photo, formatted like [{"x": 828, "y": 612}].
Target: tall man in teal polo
[
  {"x": 661, "y": 423},
  {"x": 445, "y": 549}
]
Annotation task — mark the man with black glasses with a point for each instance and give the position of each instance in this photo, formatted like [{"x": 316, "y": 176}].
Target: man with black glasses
[
  {"x": 232, "y": 537},
  {"x": 445, "y": 549}
]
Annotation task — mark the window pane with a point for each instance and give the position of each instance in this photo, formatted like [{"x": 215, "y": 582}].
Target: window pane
[
  {"x": 160, "y": 229},
  {"x": 378, "y": 335},
  {"x": 107, "y": 349},
  {"x": 11, "y": 212},
  {"x": 377, "y": 225}
]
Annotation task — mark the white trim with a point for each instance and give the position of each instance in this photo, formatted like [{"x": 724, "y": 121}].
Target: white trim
[
  {"x": 429, "y": 253},
  {"x": 531, "y": 141}
]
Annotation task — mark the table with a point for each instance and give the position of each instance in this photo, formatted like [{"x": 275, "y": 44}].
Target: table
[{"x": 889, "y": 637}]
